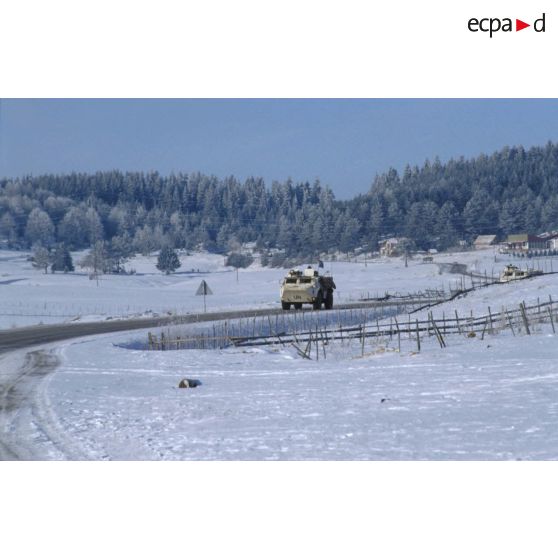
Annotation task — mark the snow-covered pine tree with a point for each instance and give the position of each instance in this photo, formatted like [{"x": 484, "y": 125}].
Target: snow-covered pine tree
[
  {"x": 168, "y": 261},
  {"x": 62, "y": 260}
]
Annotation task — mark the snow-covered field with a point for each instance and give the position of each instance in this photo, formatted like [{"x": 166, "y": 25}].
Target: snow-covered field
[
  {"x": 491, "y": 399},
  {"x": 28, "y": 296},
  {"x": 495, "y": 398}
]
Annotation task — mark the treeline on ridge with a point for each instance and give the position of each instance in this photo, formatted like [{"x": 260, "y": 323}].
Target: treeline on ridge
[{"x": 435, "y": 205}]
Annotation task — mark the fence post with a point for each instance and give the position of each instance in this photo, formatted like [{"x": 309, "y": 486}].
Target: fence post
[
  {"x": 418, "y": 336},
  {"x": 510, "y": 322},
  {"x": 308, "y": 349},
  {"x": 484, "y": 329},
  {"x": 398, "y": 335},
  {"x": 551, "y": 319},
  {"x": 457, "y": 320},
  {"x": 437, "y": 331},
  {"x": 300, "y": 351},
  {"x": 524, "y": 316}
]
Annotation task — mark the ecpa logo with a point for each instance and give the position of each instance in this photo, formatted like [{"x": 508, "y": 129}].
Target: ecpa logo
[{"x": 494, "y": 24}]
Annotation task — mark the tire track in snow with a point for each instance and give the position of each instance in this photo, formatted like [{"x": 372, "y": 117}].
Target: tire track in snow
[
  {"x": 18, "y": 393},
  {"x": 46, "y": 422}
]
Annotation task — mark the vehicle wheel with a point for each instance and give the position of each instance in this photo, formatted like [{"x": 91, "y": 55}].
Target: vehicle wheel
[
  {"x": 318, "y": 302},
  {"x": 298, "y": 305},
  {"x": 329, "y": 300},
  {"x": 286, "y": 305}
]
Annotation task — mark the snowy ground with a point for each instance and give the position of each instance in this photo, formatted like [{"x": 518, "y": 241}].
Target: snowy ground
[
  {"x": 491, "y": 399},
  {"x": 29, "y": 296},
  {"x": 495, "y": 398}
]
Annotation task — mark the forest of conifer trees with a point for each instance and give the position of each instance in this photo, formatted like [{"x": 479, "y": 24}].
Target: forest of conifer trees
[{"x": 435, "y": 205}]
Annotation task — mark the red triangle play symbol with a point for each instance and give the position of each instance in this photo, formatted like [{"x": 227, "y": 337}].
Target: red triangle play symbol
[{"x": 519, "y": 25}]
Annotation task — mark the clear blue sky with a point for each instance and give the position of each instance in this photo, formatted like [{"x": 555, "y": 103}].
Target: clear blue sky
[{"x": 344, "y": 143}]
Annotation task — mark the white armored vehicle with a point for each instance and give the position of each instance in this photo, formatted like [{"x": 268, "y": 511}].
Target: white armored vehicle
[
  {"x": 307, "y": 287},
  {"x": 513, "y": 273}
]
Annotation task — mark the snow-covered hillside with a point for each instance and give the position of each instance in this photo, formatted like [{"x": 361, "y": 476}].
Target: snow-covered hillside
[{"x": 490, "y": 398}]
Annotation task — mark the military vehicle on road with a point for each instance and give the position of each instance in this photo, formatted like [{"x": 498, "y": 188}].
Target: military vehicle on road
[{"x": 307, "y": 287}]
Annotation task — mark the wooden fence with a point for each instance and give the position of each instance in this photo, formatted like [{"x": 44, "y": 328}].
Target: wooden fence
[{"x": 520, "y": 319}]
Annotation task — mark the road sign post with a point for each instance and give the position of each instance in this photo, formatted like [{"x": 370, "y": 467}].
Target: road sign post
[{"x": 204, "y": 290}]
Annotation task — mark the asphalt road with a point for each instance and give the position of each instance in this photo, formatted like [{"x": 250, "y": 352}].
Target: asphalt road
[{"x": 19, "y": 338}]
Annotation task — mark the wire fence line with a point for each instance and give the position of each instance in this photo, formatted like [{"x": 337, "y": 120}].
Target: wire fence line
[
  {"x": 222, "y": 334},
  {"x": 469, "y": 281},
  {"x": 314, "y": 337},
  {"x": 61, "y": 310}
]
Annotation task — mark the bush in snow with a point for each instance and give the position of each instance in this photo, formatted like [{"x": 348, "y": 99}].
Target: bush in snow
[
  {"x": 41, "y": 258},
  {"x": 239, "y": 260}
]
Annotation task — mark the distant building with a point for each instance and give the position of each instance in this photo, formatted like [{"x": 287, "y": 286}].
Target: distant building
[
  {"x": 517, "y": 242},
  {"x": 525, "y": 242},
  {"x": 551, "y": 239},
  {"x": 538, "y": 243},
  {"x": 484, "y": 241}
]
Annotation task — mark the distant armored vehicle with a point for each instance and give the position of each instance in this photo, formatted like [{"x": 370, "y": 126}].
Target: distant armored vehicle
[
  {"x": 513, "y": 273},
  {"x": 308, "y": 287}
]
